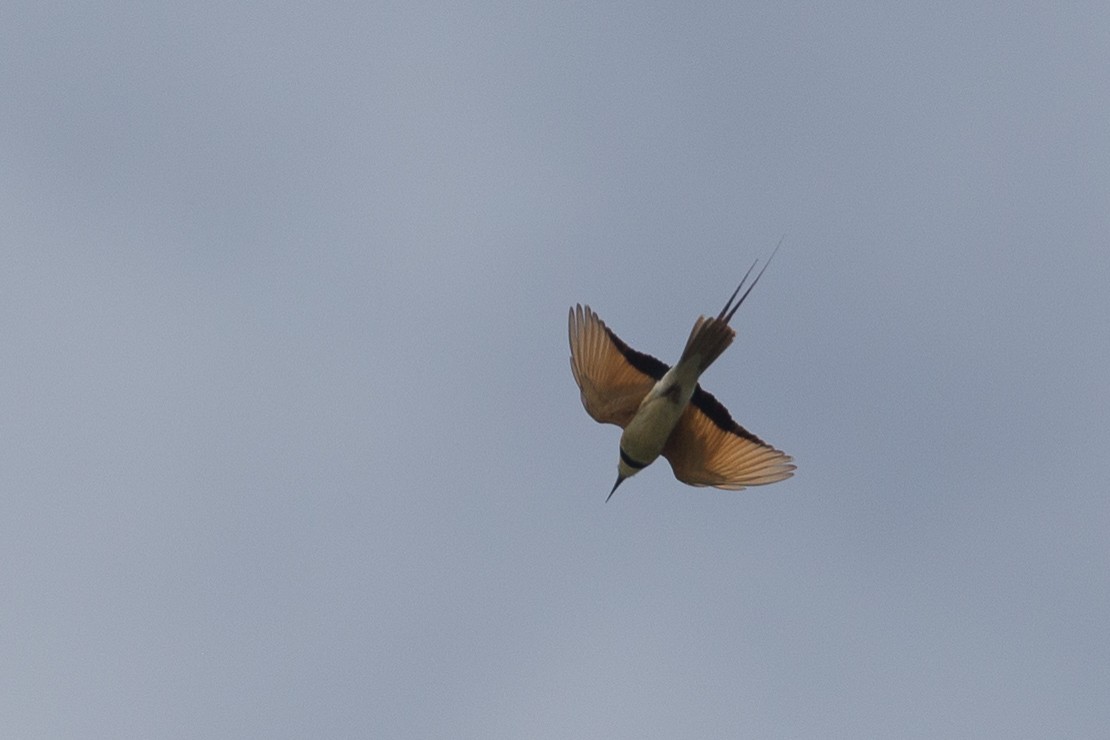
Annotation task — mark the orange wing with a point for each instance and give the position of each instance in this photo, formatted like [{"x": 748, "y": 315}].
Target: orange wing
[
  {"x": 612, "y": 376},
  {"x": 708, "y": 448}
]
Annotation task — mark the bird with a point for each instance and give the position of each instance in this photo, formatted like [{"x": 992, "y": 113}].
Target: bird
[{"x": 664, "y": 410}]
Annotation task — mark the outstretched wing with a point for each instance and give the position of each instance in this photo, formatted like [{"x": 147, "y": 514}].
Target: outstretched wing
[
  {"x": 708, "y": 448},
  {"x": 612, "y": 376}
]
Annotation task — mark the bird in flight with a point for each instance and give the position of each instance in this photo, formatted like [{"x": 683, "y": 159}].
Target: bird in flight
[{"x": 664, "y": 411}]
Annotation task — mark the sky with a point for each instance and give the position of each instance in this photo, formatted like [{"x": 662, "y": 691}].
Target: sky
[{"x": 291, "y": 447}]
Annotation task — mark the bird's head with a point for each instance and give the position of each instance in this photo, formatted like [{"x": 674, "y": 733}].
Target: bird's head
[{"x": 624, "y": 470}]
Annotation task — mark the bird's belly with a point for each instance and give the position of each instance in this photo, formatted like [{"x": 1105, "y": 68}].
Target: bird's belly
[{"x": 644, "y": 437}]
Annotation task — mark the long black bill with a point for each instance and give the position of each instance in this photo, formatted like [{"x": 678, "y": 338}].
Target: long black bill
[{"x": 620, "y": 479}]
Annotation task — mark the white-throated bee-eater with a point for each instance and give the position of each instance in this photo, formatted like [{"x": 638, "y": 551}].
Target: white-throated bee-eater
[{"x": 664, "y": 411}]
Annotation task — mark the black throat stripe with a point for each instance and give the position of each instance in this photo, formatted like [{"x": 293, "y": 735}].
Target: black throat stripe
[{"x": 636, "y": 464}]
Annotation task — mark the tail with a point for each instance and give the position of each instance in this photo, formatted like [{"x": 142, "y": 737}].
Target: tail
[
  {"x": 712, "y": 336},
  {"x": 708, "y": 339}
]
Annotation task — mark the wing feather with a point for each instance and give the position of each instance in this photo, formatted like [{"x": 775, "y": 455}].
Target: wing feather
[
  {"x": 708, "y": 448},
  {"x": 612, "y": 376}
]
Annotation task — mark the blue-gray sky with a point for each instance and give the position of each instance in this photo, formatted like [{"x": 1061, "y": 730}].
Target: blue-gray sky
[{"x": 291, "y": 447}]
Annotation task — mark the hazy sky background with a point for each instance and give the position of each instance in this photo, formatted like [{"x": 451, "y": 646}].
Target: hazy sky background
[{"x": 291, "y": 447}]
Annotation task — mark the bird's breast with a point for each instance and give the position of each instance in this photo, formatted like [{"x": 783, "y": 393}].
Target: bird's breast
[{"x": 645, "y": 435}]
